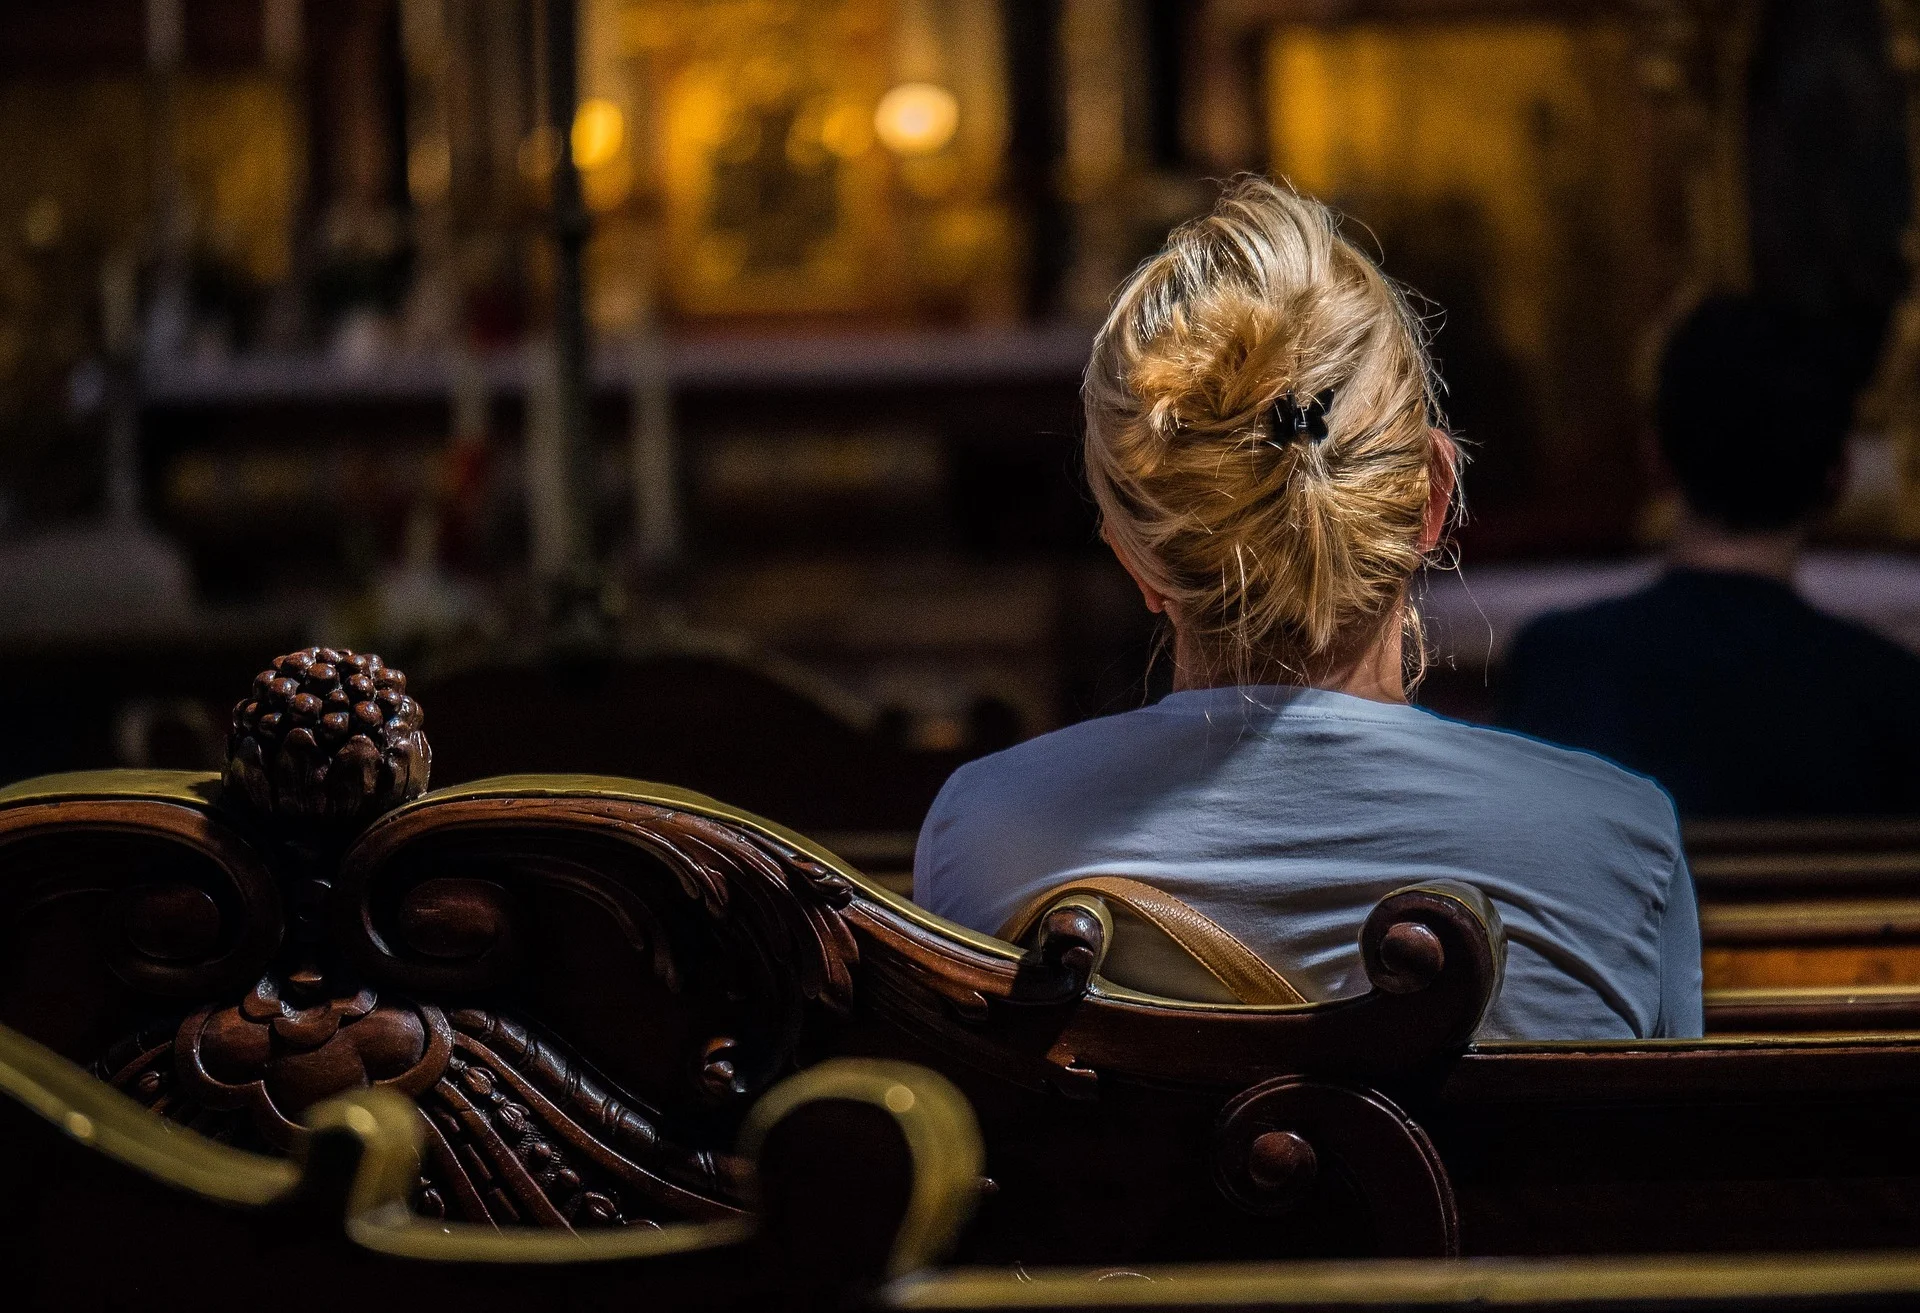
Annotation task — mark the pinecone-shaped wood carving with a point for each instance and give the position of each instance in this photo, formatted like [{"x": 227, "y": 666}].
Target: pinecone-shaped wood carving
[{"x": 328, "y": 734}]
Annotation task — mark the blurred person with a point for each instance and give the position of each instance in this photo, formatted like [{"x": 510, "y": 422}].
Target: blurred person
[
  {"x": 1261, "y": 442},
  {"x": 1719, "y": 680}
]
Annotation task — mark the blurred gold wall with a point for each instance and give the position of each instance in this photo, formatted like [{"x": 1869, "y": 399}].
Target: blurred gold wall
[
  {"x": 839, "y": 157},
  {"x": 100, "y": 178},
  {"x": 74, "y": 178},
  {"x": 1511, "y": 170},
  {"x": 239, "y": 153},
  {"x": 1511, "y": 122}
]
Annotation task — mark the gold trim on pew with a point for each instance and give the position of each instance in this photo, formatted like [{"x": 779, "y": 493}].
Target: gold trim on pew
[
  {"x": 99, "y": 1116},
  {"x": 935, "y": 1118},
  {"x": 1810, "y": 921},
  {"x": 1814, "y": 995},
  {"x": 948, "y": 1157},
  {"x": 1474, "y": 1282},
  {"x": 192, "y": 788}
]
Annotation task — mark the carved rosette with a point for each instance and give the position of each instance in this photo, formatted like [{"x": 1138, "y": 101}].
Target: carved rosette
[{"x": 266, "y": 1055}]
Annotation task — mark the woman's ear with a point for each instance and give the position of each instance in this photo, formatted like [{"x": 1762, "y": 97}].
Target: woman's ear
[
  {"x": 1443, "y": 475},
  {"x": 1155, "y": 600}
]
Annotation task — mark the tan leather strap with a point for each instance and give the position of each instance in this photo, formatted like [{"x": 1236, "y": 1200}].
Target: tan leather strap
[{"x": 1244, "y": 974}]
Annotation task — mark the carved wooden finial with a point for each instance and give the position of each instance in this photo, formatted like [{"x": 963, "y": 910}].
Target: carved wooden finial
[{"x": 328, "y": 734}]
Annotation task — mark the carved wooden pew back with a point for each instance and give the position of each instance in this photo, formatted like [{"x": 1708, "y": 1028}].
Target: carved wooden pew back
[
  {"x": 585, "y": 983},
  {"x": 689, "y": 957}
]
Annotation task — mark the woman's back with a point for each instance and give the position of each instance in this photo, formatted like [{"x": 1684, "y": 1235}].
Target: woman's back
[
  {"x": 1264, "y": 441},
  {"x": 1286, "y": 813}
]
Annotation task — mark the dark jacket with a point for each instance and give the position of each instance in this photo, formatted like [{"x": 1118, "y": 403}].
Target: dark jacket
[{"x": 1732, "y": 692}]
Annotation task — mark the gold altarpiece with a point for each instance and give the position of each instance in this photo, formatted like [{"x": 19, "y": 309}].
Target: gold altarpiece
[
  {"x": 761, "y": 171},
  {"x": 735, "y": 156}
]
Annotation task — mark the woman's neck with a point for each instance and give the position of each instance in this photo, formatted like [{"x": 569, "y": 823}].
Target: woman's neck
[{"x": 1377, "y": 674}]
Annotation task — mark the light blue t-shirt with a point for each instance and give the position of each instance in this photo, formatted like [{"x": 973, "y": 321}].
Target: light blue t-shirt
[{"x": 1285, "y": 814}]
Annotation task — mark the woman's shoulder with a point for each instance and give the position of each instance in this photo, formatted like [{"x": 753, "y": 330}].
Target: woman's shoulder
[
  {"x": 1007, "y": 822},
  {"x": 1553, "y": 778},
  {"x": 1052, "y": 760}
]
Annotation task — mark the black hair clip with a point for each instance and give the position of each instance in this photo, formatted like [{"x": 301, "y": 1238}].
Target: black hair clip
[{"x": 1292, "y": 421}]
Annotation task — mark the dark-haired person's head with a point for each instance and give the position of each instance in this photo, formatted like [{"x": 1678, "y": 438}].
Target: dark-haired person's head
[{"x": 1750, "y": 421}]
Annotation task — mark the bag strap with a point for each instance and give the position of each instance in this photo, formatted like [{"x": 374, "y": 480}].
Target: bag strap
[{"x": 1246, "y": 975}]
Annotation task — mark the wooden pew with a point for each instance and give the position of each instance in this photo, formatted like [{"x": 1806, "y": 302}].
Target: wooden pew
[
  {"x": 1809, "y": 925},
  {"x": 866, "y": 1171},
  {"x": 689, "y": 956},
  {"x": 167, "y": 1218},
  {"x": 586, "y": 983},
  {"x": 613, "y": 971},
  {"x": 1769, "y": 1144}
]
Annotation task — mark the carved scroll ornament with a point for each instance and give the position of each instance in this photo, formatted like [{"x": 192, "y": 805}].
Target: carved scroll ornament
[{"x": 315, "y": 955}]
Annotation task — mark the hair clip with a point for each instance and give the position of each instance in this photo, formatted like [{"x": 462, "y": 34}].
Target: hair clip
[{"x": 1292, "y": 421}]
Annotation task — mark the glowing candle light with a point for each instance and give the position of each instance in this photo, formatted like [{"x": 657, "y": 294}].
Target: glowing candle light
[
  {"x": 916, "y": 118},
  {"x": 599, "y": 130}
]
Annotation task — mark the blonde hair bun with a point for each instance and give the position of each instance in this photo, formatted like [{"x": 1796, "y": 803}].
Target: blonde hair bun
[{"x": 1282, "y": 554}]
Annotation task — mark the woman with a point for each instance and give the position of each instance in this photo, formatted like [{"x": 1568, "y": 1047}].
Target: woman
[{"x": 1260, "y": 442}]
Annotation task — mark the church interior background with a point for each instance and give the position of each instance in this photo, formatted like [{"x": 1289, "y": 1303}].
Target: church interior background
[{"x": 284, "y": 352}]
